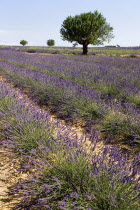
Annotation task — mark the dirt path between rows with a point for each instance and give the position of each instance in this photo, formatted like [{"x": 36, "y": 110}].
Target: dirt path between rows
[{"x": 8, "y": 177}]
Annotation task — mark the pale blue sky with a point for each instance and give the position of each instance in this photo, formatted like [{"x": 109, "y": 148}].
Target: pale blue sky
[{"x": 39, "y": 20}]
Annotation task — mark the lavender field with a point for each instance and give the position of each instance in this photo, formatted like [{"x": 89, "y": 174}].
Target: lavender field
[
  {"x": 63, "y": 174},
  {"x": 102, "y": 94},
  {"x": 69, "y": 105},
  {"x": 98, "y": 92}
]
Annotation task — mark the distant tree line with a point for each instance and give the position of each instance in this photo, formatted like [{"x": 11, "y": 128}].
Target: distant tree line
[
  {"x": 113, "y": 45},
  {"x": 50, "y": 42}
]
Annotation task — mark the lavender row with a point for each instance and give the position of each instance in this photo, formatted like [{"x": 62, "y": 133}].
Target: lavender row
[{"x": 66, "y": 176}]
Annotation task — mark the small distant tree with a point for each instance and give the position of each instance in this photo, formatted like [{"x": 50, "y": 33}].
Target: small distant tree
[
  {"x": 23, "y": 42},
  {"x": 86, "y": 28},
  {"x": 50, "y": 42}
]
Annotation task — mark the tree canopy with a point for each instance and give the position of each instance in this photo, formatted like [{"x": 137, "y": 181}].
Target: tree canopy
[
  {"x": 50, "y": 42},
  {"x": 23, "y": 42},
  {"x": 86, "y": 28}
]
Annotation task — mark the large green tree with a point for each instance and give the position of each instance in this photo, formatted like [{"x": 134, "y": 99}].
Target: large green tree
[{"x": 86, "y": 28}]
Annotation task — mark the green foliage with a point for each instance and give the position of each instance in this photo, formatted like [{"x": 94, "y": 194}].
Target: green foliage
[
  {"x": 86, "y": 28},
  {"x": 135, "y": 99},
  {"x": 23, "y": 42},
  {"x": 116, "y": 126},
  {"x": 50, "y": 42}
]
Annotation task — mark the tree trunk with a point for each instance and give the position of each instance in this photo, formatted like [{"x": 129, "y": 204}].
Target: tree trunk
[{"x": 85, "y": 48}]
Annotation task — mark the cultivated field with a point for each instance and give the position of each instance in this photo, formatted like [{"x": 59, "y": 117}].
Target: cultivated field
[
  {"x": 104, "y": 51},
  {"x": 102, "y": 92},
  {"x": 99, "y": 93}
]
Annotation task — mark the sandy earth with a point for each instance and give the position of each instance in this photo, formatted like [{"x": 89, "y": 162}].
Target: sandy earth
[{"x": 8, "y": 176}]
